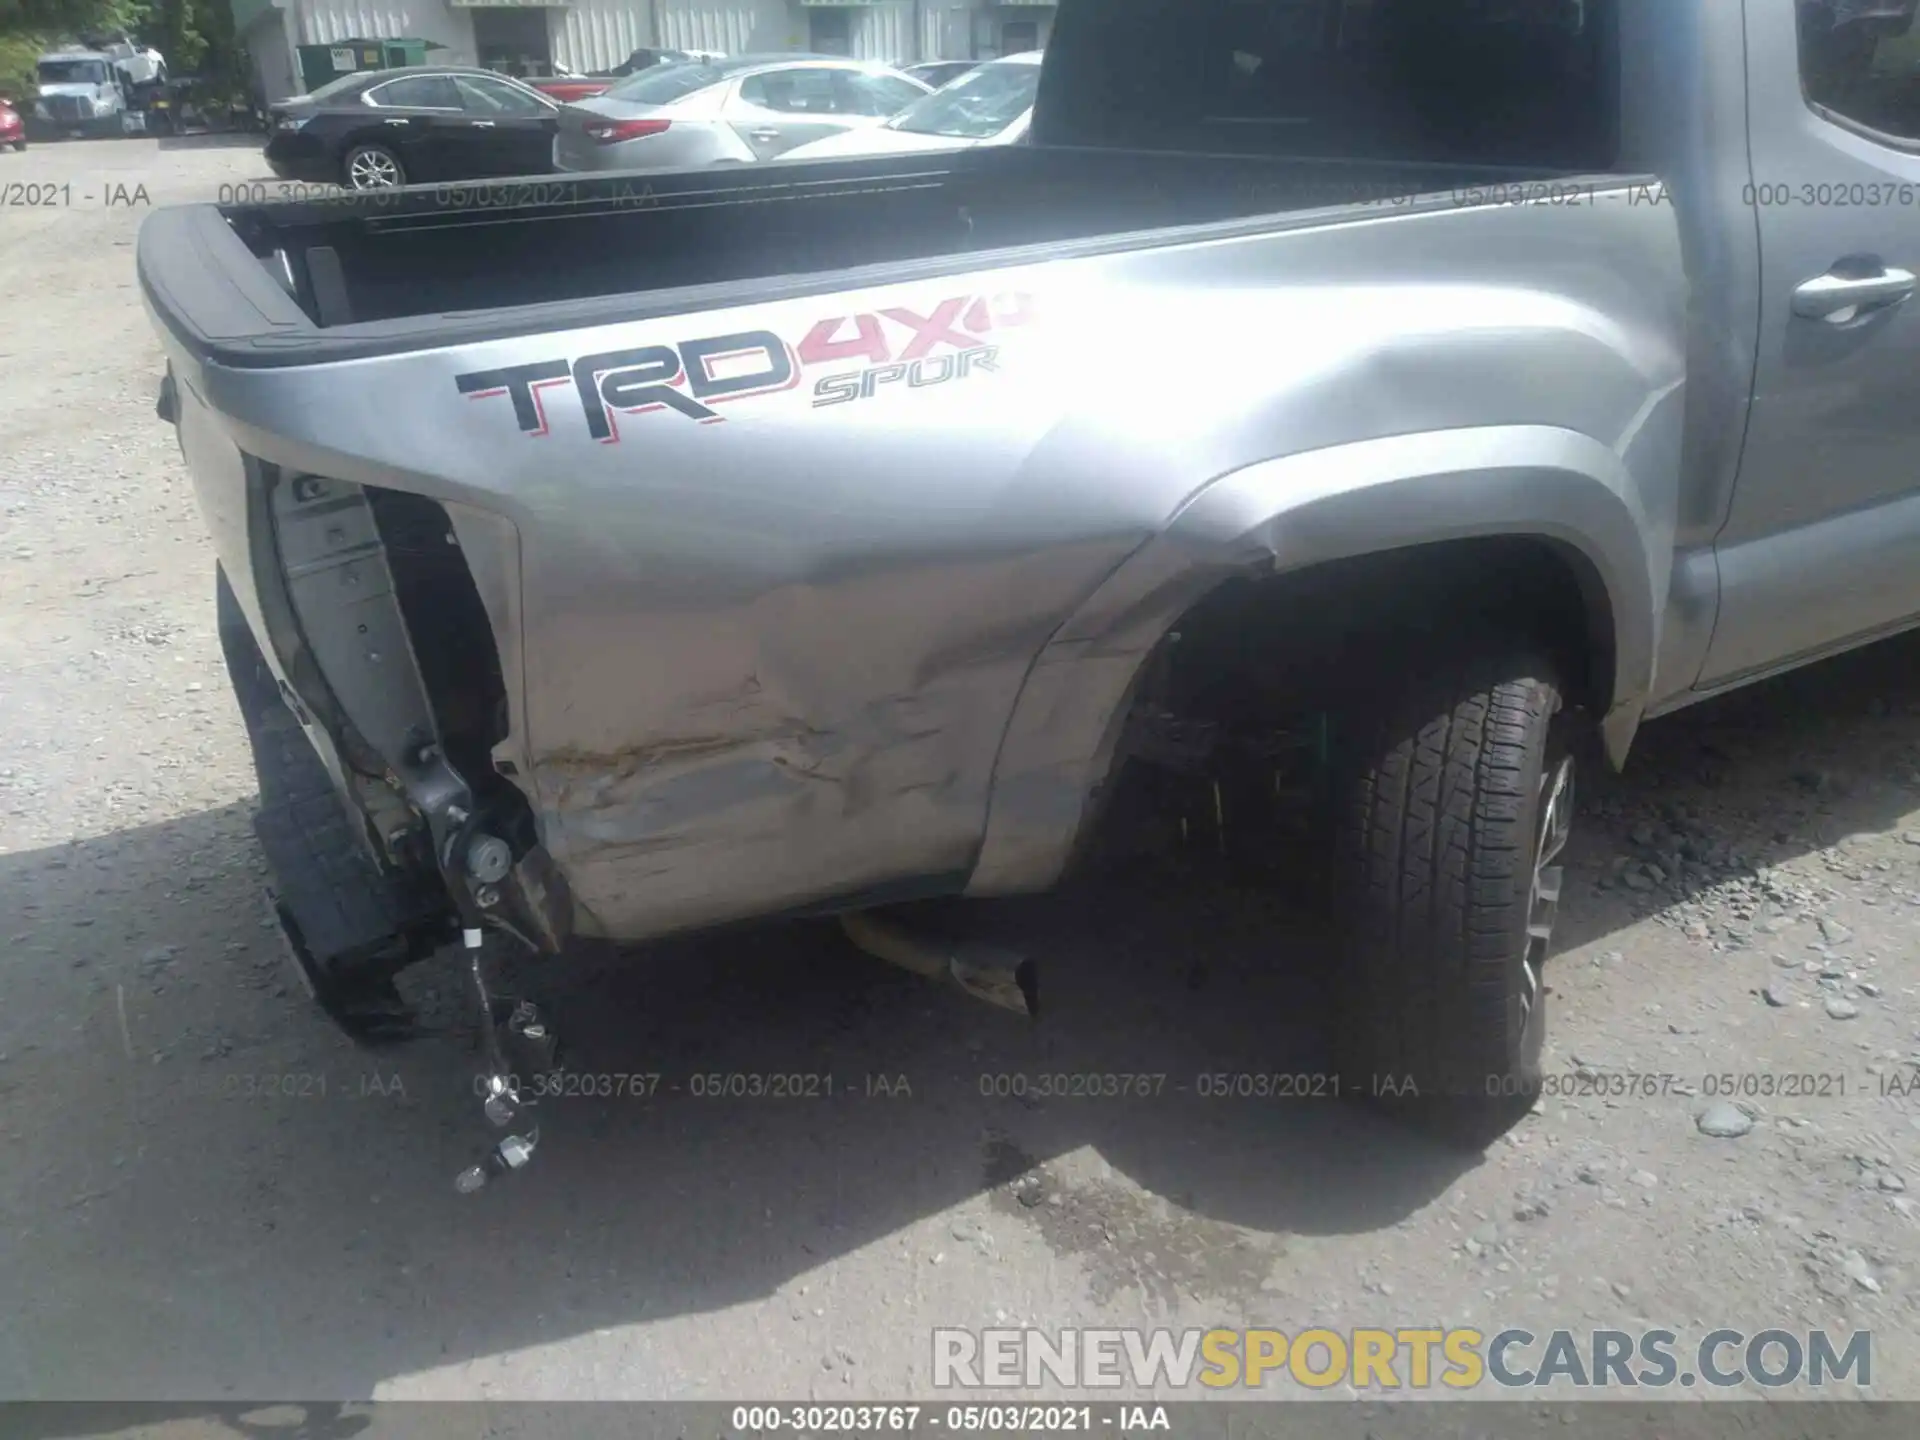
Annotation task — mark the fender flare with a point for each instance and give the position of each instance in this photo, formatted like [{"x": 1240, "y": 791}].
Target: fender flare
[{"x": 1286, "y": 514}]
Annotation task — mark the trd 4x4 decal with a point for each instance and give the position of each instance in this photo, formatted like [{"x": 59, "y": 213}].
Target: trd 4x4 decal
[
  {"x": 689, "y": 378},
  {"x": 898, "y": 345}
]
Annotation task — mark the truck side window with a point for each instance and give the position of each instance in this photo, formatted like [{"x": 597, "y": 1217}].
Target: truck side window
[
  {"x": 1860, "y": 62},
  {"x": 1486, "y": 82}
]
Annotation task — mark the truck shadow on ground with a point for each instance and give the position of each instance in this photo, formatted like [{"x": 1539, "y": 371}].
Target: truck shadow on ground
[
  {"x": 754, "y": 1104},
  {"x": 262, "y": 1155}
]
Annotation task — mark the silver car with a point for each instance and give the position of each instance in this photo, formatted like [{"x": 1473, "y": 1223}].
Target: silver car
[
  {"x": 939, "y": 72},
  {"x": 992, "y": 104},
  {"x": 732, "y": 111}
]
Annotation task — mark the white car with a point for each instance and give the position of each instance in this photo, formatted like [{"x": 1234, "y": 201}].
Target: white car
[
  {"x": 733, "y": 111},
  {"x": 990, "y": 105}
]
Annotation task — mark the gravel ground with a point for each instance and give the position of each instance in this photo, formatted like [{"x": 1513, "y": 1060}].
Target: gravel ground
[{"x": 1744, "y": 903}]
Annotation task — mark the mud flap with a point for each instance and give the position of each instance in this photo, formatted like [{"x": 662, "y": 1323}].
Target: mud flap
[{"x": 346, "y": 925}]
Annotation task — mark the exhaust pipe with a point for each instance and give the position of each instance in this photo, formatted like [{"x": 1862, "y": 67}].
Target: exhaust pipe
[{"x": 986, "y": 972}]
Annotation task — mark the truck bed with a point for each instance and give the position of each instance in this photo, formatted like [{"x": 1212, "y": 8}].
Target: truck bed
[{"x": 366, "y": 274}]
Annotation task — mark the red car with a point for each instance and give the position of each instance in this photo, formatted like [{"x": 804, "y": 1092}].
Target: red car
[
  {"x": 13, "y": 130},
  {"x": 568, "y": 88}
]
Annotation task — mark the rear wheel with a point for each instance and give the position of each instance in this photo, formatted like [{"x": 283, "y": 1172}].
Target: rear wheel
[
  {"x": 373, "y": 167},
  {"x": 1454, "y": 783}
]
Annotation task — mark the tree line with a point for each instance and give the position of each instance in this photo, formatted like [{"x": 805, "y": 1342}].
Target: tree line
[{"x": 196, "y": 36}]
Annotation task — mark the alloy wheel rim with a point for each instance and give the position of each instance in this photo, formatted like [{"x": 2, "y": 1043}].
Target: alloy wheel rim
[
  {"x": 1543, "y": 901},
  {"x": 370, "y": 171}
]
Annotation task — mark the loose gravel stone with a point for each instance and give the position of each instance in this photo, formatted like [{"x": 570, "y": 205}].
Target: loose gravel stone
[
  {"x": 1724, "y": 1121},
  {"x": 1855, "y": 1266}
]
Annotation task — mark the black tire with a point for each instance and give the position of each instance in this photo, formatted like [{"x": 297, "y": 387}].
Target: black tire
[
  {"x": 371, "y": 157},
  {"x": 1441, "y": 784}
]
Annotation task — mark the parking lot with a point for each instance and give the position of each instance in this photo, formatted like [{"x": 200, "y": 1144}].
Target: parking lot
[{"x": 208, "y": 1193}]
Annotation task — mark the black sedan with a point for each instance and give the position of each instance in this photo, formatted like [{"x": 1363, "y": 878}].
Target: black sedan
[{"x": 383, "y": 128}]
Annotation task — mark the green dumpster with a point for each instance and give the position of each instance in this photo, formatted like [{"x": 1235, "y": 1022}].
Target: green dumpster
[
  {"x": 321, "y": 64},
  {"x": 407, "y": 52}
]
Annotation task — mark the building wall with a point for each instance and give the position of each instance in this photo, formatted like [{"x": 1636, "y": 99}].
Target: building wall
[
  {"x": 991, "y": 27},
  {"x": 885, "y": 32},
  {"x": 946, "y": 30},
  {"x": 586, "y": 35},
  {"x": 270, "y": 31},
  {"x": 732, "y": 27},
  {"x": 321, "y": 22},
  {"x": 594, "y": 34},
  {"x": 268, "y": 39}
]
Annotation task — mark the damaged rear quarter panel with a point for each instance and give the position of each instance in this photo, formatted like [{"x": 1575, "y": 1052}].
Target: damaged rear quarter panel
[{"x": 764, "y": 657}]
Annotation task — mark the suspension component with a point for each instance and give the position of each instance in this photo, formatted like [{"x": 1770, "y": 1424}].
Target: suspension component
[
  {"x": 509, "y": 1155},
  {"x": 986, "y": 972},
  {"x": 517, "y": 1041}
]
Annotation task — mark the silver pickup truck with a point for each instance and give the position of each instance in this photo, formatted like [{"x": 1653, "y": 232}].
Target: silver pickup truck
[{"x": 1454, "y": 385}]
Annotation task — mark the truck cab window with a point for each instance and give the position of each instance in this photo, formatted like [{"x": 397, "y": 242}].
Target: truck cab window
[
  {"x": 1860, "y": 62},
  {"x": 73, "y": 72},
  {"x": 1525, "y": 83}
]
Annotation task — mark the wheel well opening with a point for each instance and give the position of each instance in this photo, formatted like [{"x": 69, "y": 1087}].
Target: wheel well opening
[
  {"x": 453, "y": 640},
  {"x": 1280, "y": 644},
  {"x": 1235, "y": 720}
]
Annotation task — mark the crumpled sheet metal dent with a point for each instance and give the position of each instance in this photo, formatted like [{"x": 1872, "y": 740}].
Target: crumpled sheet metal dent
[
  {"x": 649, "y": 834},
  {"x": 771, "y": 751}
]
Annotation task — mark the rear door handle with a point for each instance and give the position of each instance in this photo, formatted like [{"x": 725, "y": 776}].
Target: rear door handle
[
  {"x": 481, "y": 124},
  {"x": 1838, "y": 298}
]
